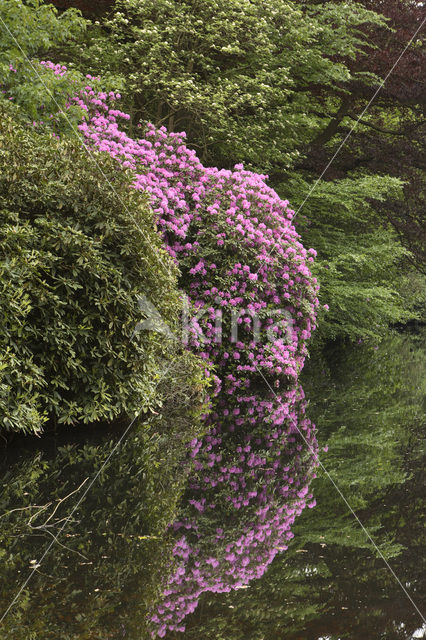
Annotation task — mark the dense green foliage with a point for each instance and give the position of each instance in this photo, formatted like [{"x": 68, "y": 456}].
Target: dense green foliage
[
  {"x": 278, "y": 85},
  {"x": 389, "y": 131},
  {"x": 27, "y": 31},
  {"x": 238, "y": 76},
  {"x": 360, "y": 265},
  {"x": 78, "y": 249}
]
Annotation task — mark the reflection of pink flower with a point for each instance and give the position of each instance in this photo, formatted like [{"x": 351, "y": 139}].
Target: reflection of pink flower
[{"x": 229, "y": 559}]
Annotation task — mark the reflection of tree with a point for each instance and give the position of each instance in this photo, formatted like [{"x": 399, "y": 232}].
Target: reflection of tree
[
  {"x": 330, "y": 583},
  {"x": 250, "y": 483},
  {"x": 107, "y": 567}
]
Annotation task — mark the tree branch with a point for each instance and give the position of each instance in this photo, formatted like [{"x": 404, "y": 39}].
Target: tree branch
[{"x": 333, "y": 125}]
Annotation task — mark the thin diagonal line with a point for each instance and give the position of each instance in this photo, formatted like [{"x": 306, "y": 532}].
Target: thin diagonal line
[
  {"x": 341, "y": 145},
  {"x": 81, "y": 138},
  {"x": 349, "y": 506}
]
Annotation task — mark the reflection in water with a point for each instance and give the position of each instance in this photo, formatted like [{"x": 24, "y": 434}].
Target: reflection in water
[
  {"x": 118, "y": 559},
  {"x": 369, "y": 405},
  {"x": 250, "y": 484},
  {"x": 107, "y": 568}
]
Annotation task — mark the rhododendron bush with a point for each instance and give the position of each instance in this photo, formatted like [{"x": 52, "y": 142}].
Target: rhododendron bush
[{"x": 234, "y": 242}]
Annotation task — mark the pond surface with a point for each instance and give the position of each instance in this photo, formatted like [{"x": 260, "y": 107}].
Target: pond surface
[{"x": 229, "y": 552}]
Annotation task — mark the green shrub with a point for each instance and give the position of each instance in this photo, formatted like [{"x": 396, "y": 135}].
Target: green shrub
[{"x": 78, "y": 247}]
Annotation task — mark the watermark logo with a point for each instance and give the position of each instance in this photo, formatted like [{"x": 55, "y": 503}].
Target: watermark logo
[
  {"x": 224, "y": 325},
  {"x": 153, "y": 319}
]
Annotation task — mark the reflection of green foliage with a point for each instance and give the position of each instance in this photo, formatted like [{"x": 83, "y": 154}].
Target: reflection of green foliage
[
  {"x": 331, "y": 582},
  {"x": 363, "y": 408},
  {"x": 115, "y": 553}
]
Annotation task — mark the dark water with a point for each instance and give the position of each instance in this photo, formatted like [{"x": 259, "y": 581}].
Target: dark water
[{"x": 232, "y": 578}]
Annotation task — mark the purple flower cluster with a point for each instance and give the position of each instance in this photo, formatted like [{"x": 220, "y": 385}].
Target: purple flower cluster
[{"x": 233, "y": 240}]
